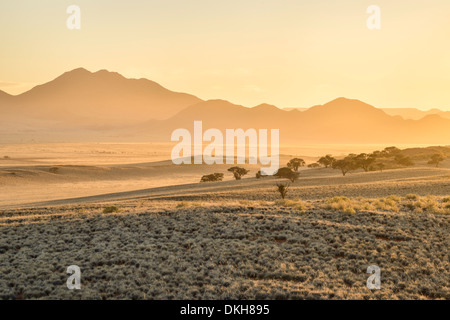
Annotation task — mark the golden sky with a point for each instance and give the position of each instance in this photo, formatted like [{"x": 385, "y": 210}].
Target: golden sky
[{"x": 288, "y": 53}]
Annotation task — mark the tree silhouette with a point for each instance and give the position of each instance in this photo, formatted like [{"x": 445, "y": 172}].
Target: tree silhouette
[
  {"x": 327, "y": 161},
  {"x": 296, "y": 163},
  {"x": 287, "y": 173},
  {"x": 436, "y": 159},
  {"x": 282, "y": 189},
  {"x": 260, "y": 175},
  {"x": 380, "y": 166},
  {"x": 345, "y": 165},
  {"x": 212, "y": 177},
  {"x": 365, "y": 160},
  {"x": 403, "y": 160},
  {"x": 238, "y": 172},
  {"x": 391, "y": 151}
]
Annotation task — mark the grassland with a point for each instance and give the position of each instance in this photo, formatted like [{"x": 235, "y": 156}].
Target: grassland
[{"x": 228, "y": 240}]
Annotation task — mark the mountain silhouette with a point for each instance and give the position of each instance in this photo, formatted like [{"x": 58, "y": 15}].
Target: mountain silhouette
[
  {"x": 104, "y": 96},
  {"x": 81, "y": 105}
]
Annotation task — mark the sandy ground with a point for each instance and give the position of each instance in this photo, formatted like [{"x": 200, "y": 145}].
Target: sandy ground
[{"x": 175, "y": 238}]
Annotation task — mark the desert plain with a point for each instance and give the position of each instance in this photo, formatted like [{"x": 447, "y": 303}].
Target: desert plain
[{"x": 140, "y": 227}]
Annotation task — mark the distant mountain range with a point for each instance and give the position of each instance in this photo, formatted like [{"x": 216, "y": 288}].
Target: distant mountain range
[
  {"x": 84, "y": 106},
  {"x": 405, "y": 113}
]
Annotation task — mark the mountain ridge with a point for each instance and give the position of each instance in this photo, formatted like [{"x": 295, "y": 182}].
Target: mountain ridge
[{"x": 106, "y": 104}]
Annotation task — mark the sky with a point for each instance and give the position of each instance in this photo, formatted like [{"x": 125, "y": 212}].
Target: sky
[{"x": 290, "y": 53}]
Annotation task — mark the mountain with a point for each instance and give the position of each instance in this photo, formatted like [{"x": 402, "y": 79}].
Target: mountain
[
  {"x": 4, "y": 95},
  {"x": 101, "y": 97},
  {"x": 405, "y": 113},
  {"x": 415, "y": 114},
  {"x": 339, "y": 121},
  {"x": 105, "y": 106}
]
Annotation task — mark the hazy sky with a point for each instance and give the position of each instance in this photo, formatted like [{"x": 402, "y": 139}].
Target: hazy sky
[{"x": 288, "y": 53}]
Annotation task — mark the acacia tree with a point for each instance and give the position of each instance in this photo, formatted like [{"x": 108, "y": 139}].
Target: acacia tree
[
  {"x": 327, "y": 161},
  {"x": 380, "y": 166},
  {"x": 365, "y": 160},
  {"x": 391, "y": 151},
  {"x": 287, "y": 173},
  {"x": 238, "y": 172},
  {"x": 345, "y": 165},
  {"x": 436, "y": 159},
  {"x": 296, "y": 163},
  {"x": 403, "y": 160}
]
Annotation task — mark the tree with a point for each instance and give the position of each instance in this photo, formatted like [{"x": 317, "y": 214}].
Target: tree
[
  {"x": 403, "y": 160},
  {"x": 365, "y": 160},
  {"x": 296, "y": 163},
  {"x": 212, "y": 177},
  {"x": 282, "y": 189},
  {"x": 287, "y": 173},
  {"x": 345, "y": 165},
  {"x": 238, "y": 172},
  {"x": 436, "y": 158},
  {"x": 327, "y": 161},
  {"x": 314, "y": 165},
  {"x": 380, "y": 166},
  {"x": 390, "y": 151}
]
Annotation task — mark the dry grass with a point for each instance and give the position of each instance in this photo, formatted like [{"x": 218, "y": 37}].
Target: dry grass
[{"x": 229, "y": 250}]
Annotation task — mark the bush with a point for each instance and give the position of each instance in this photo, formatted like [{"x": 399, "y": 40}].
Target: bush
[
  {"x": 282, "y": 189},
  {"x": 212, "y": 177},
  {"x": 314, "y": 165},
  {"x": 53, "y": 170},
  {"x": 297, "y": 204},
  {"x": 238, "y": 172},
  {"x": 111, "y": 209},
  {"x": 259, "y": 175}
]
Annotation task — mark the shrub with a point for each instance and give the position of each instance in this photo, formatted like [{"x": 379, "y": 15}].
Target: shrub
[
  {"x": 260, "y": 175},
  {"x": 182, "y": 205},
  {"x": 111, "y": 209},
  {"x": 314, "y": 165},
  {"x": 212, "y": 177},
  {"x": 282, "y": 189},
  {"x": 297, "y": 204},
  {"x": 53, "y": 170}
]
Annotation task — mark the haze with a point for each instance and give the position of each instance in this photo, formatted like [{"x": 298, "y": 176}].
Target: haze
[{"x": 289, "y": 53}]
